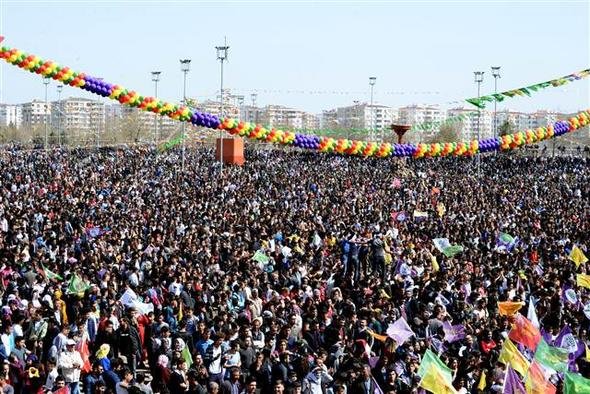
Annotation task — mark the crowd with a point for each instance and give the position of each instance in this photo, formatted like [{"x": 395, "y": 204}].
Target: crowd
[{"x": 122, "y": 274}]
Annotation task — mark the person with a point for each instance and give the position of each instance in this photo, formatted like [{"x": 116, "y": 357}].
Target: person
[
  {"x": 129, "y": 344},
  {"x": 178, "y": 380},
  {"x": 271, "y": 268},
  {"x": 233, "y": 385},
  {"x": 91, "y": 379},
  {"x": 144, "y": 384},
  {"x": 70, "y": 363},
  {"x": 5, "y": 386},
  {"x": 126, "y": 383}
]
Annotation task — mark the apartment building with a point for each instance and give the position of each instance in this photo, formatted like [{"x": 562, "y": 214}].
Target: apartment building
[{"x": 11, "y": 115}]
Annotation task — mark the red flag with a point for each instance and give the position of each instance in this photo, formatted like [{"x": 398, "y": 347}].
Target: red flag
[
  {"x": 535, "y": 381},
  {"x": 85, "y": 354},
  {"x": 63, "y": 390},
  {"x": 524, "y": 332}
]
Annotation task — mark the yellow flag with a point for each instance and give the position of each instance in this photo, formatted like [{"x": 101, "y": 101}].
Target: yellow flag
[
  {"x": 511, "y": 356},
  {"x": 509, "y": 308},
  {"x": 482, "y": 381},
  {"x": 435, "y": 266},
  {"x": 587, "y": 353},
  {"x": 577, "y": 256},
  {"x": 583, "y": 280},
  {"x": 440, "y": 208},
  {"x": 435, "y": 382}
]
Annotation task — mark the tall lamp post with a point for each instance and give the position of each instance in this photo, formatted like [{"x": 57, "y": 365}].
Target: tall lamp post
[
  {"x": 372, "y": 81},
  {"x": 496, "y": 75},
  {"x": 155, "y": 79},
  {"x": 47, "y": 112},
  {"x": 185, "y": 66},
  {"x": 221, "y": 56},
  {"x": 478, "y": 80},
  {"x": 59, "y": 89}
]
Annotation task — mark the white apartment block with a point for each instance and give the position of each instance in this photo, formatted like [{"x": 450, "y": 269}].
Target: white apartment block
[
  {"x": 422, "y": 114},
  {"x": 35, "y": 113},
  {"x": 365, "y": 116},
  {"x": 11, "y": 115},
  {"x": 468, "y": 121},
  {"x": 214, "y": 107},
  {"x": 329, "y": 119},
  {"x": 75, "y": 117},
  {"x": 279, "y": 116}
]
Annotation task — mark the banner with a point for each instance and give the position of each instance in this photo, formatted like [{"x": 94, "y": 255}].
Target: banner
[
  {"x": 323, "y": 144},
  {"x": 480, "y": 102}
]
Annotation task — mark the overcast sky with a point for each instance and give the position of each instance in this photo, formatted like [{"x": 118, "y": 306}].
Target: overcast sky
[{"x": 420, "y": 51}]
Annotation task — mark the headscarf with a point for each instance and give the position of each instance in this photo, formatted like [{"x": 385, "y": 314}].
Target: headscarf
[{"x": 163, "y": 361}]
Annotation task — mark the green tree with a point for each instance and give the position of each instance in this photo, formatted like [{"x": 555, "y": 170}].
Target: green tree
[
  {"x": 448, "y": 132},
  {"x": 506, "y": 128}
]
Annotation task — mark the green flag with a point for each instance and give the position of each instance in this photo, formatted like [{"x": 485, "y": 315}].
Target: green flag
[
  {"x": 187, "y": 356},
  {"x": 431, "y": 360},
  {"x": 575, "y": 383},
  {"x": 477, "y": 102},
  {"x": 552, "y": 357},
  {"x": 452, "y": 250},
  {"x": 77, "y": 285},
  {"x": 50, "y": 275},
  {"x": 260, "y": 257}
]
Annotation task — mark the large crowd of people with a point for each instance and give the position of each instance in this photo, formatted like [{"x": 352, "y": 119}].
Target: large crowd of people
[{"x": 121, "y": 273}]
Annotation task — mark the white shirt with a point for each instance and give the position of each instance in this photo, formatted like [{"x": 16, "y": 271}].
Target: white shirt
[
  {"x": 215, "y": 366},
  {"x": 66, "y": 363}
]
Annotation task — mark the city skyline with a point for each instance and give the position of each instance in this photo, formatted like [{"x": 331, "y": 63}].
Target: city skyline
[{"x": 286, "y": 67}]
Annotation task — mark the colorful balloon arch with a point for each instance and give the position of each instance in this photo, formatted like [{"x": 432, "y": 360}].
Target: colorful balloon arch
[{"x": 50, "y": 69}]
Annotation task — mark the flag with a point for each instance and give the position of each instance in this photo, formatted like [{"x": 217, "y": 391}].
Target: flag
[
  {"x": 435, "y": 266},
  {"x": 396, "y": 183},
  {"x": 453, "y": 250},
  {"x": 444, "y": 246},
  {"x": 535, "y": 381},
  {"x": 420, "y": 214},
  {"x": 77, "y": 285},
  {"x": 587, "y": 358},
  {"x": 509, "y": 308},
  {"x": 441, "y": 209},
  {"x": 574, "y": 383},
  {"x": 509, "y": 355},
  {"x": 435, "y": 381},
  {"x": 82, "y": 348},
  {"x": 49, "y": 274},
  {"x": 378, "y": 337},
  {"x": 481, "y": 386},
  {"x": 399, "y": 331},
  {"x": 377, "y": 389},
  {"x": 583, "y": 280},
  {"x": 524, "y": 332},
  {"x": 187, "y": 356},
  {"x": 260, "y": 257},
  {"x": 566, "y": 340},
  {"x": 551, "y": 357},
  {"x": 532, "y": 313},
  {"x": 435, "y": 375},
  {"x": 430, "y": 359},
  {"x": 569, "y": 295},
  {"x": 512, "y": 383},
  {"x": 453, "y": 333},
  {"x": 506, "y": 242},
  {"x": 577, "y": 256}
]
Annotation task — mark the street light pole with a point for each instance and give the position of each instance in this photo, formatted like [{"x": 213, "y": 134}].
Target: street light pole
[
  {"x": 496, "y": 75},
  {"x": 221, "y": 56},
  {"x": 372, "y": 81},
  {"x": 185, "y": 66},
  {"x": 478, "y": 80},
  {"x": 59, "y": 89},
  {"x": 46, "y": 82},
  {"x": 155, "y": 79}
]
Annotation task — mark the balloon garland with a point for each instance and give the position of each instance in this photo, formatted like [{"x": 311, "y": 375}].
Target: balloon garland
[{"x": 50, "y": 69}]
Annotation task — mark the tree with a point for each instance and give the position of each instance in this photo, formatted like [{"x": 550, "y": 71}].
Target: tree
[
  {"x": 506, "y": 128},
  {"x": 448, "y": 132}
]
